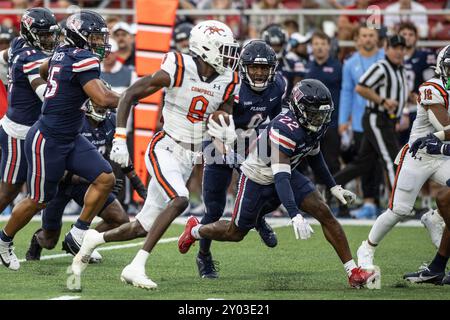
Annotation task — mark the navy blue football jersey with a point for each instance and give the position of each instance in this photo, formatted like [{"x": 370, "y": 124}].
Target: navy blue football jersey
[
  {"x": 24, "y": 106},
  {"x": 101, "y": 136},
  {"x": 291, "y": 138},
  {"x": 418, "y": 68},
  {"x": 253, "y": 108},
  {"x": 64, "y": 107}
]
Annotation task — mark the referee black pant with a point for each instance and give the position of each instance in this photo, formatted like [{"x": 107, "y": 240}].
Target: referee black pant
[{"x": 379, "y": 143}]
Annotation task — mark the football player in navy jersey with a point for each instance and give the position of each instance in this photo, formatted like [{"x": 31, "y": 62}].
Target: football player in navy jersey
[
  {"x": 99, "y": 128},
  {"x": 39, "y": 33},
  {"x": 260, "y": 98},
  {"x": 54, "y": 143},
  {"x": 275, "y": 36},
  {"x": 268, "y": 179}
]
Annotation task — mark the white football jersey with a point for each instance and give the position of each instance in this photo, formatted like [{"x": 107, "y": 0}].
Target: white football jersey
[
  {"x": 430, "y": 92},
  {"x": 190, "y": 100}
]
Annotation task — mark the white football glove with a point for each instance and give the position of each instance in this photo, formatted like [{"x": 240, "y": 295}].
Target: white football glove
[
  {"x": 223, "y": 132},
  {"x": 119, "y": 152},
  {"x": 302, "y": 228},
  {"x": 344, "y": 196}
]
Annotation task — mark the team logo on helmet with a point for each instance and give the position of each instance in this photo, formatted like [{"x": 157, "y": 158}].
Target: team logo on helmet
[
  {"x": 27, "y": 20},
  {"x": 297, "y": 94},
  {"x": 74, "y": 22},
  {"x": 213, "y": 29}
]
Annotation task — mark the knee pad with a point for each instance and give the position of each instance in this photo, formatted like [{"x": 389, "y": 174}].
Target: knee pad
[{"x": 402, "y": 210}]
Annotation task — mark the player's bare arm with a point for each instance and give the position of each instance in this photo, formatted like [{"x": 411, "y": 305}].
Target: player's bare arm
[
  {"x": 142, "y": 88},
  {"x": 100, "y": 95}
]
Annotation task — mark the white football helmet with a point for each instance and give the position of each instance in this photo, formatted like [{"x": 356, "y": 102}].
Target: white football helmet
[
  {"x": 214, "y": 43},
  {"x": 443, "y": 66}
]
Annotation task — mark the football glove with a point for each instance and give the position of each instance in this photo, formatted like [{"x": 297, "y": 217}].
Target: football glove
[
  {"x": 344, "y": 196},
  {"x": 223, "y": 132},
  {"x": 302, "y": 229},
  {"x": 119, "y": 151}
]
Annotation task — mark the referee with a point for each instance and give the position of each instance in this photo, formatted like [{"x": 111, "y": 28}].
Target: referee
[{"x": 385, "y": 87}]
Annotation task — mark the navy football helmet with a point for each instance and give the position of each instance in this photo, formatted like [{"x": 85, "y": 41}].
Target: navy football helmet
[
  {"x": 443, "y": 66},
  {"x": 38, "y": 27},
  {"x": 95, "y": 113},
  {"x": 257, "y": 52},
  {"x": 312, "y": 104},
  {"x": 276, "y": 37},
  {"x": 88, "y": 30},
  {"x": 182, "y": 33}
]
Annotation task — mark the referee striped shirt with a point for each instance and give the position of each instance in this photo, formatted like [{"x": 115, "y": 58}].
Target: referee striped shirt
[{"x": 389, "y": 82}]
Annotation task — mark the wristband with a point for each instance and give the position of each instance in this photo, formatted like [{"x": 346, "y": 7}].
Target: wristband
[{"x": 121, "y": 133}]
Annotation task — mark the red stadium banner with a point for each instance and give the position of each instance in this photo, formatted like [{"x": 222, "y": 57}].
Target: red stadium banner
[{"x": 155, "y": 20}]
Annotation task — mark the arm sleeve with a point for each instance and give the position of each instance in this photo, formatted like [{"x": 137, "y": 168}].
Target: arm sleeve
[
  {"x": 347, "y": 93},
  {"x": 85, "y": 77},
  {"x": 285, "y": 193},
  {"x": 372, "y": 77},
  {"x": 320, "y": 169}
]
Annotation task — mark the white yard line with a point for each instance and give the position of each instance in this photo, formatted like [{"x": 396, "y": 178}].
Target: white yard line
[{"x": 66, "y": 298}]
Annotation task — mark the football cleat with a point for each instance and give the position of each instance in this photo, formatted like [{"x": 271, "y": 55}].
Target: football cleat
[
  {"x": 434, "y": 223},
  {"x": 34, "y": 250},
  {"x": 425, "y": 275},
  {"x": 365, "y": 255},
  {"x": 135, "y": 275},
  {"x": 207, "y": 266},
  {"x": 72, "y": 246},
  {"x": 8, "y": 257},
  {"x": 186, "y": 240},
  {"x": 268, "y": 236},
  {"x": 360, "y": 278}
]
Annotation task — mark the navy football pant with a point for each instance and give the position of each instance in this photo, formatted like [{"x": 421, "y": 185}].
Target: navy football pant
[
  {"x": 14, "y": 163},
  {"x": 216, "y": 180},
  {"x": 48, "y": 158}
]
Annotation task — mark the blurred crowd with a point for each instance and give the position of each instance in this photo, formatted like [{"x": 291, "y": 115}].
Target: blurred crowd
[{"x": 315, "y": 53}]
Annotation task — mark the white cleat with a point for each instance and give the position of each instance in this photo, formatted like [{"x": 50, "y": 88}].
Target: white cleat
[
  {"x": 365, "y": 255},
  {"x": 136, "y": 276},
  {"x": 435, "y": 225},
  {"x": 7, "y": 256},
  {"x": 87, "y": 253}
]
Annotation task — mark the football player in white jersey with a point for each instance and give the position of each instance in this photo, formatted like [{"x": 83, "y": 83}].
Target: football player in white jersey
[
  {"x": 196, "y": 86},
  {"x": 414, "y": 168}
]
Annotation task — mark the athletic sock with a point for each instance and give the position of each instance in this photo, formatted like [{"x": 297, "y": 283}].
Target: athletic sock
[
  {"x": 438, "y": 264},
  {"x": 141, "y": 258},
  {"x": 349, "y": 266},
  {"x": 4, "y": 237},
  {"x": 195, "y": 231}
]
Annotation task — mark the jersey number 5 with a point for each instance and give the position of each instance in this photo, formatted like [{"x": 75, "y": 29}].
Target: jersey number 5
[
  {"x": 52, "y": 84},
  {"x": 197, "y": 109}
]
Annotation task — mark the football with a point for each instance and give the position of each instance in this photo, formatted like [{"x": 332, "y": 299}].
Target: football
[{"x": 215, "y": 117}]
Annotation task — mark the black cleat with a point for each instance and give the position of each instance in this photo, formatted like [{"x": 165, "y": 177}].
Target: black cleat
[
  {"x": 268, "y": 236},
  {"x": 425, "y": 275},
  {"x": 34, "y": 250},
  {"x": 207, "y": 266}
]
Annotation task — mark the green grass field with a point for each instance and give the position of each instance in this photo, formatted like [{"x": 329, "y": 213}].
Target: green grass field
[{"x": 248, "y": 270}]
